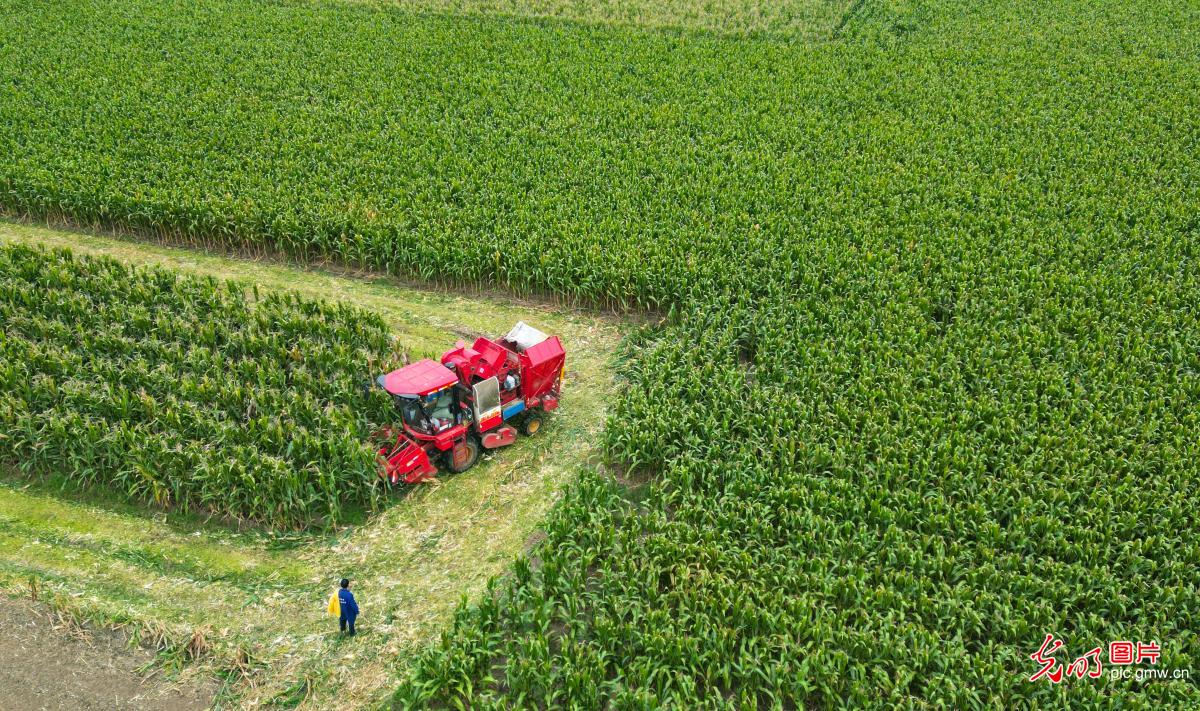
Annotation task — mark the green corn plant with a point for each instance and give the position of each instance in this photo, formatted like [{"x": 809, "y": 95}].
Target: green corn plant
[
  {"x": 109, "y": 399},
  {"x": 922, "y": 382}
]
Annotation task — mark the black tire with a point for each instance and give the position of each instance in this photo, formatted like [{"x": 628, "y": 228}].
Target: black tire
[
  {"x": 532, "y": 424},
  {"x": 468, "y": 460}
]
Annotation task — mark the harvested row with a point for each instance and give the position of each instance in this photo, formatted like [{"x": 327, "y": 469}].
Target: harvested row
[
  {"x": 186, "y": 392},
  {"x": 797, "y": 20}
]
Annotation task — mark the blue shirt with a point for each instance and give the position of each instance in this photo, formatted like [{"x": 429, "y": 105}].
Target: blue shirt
[{"x": 349, "y": 606}]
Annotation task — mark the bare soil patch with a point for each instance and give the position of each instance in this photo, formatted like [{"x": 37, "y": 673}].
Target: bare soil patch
[{"x": 50, "y": 664}]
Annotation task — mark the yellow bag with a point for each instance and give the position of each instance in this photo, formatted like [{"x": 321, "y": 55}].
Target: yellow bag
[{"x": 335, "y": 605}]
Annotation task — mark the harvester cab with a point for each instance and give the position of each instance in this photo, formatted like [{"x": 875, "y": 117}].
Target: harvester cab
[{"x": 475, "y": 397}]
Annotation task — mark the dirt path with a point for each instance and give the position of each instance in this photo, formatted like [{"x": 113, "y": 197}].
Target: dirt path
[{"x": 48, "y": 666}]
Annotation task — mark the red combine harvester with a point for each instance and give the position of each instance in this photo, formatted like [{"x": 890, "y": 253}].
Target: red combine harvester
[{"x": 473, "y": 398}]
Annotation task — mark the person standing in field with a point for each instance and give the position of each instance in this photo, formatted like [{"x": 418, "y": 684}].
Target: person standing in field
[{"x": 349, "y": 607}]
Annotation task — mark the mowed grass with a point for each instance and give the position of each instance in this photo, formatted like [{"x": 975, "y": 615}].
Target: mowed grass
[{"x": 411, "y": 563}]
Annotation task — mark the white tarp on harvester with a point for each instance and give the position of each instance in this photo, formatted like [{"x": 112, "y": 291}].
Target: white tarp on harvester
[{"x": 525, "y": 336}]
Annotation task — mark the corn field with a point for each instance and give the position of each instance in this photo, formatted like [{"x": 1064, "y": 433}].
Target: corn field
[
  {"x": 185, "y": 392},
  {"x": 927, "y": 380}
]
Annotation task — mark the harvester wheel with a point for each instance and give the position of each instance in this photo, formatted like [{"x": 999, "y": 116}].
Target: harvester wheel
[
  {"x": 532, "y": 424},
  {"x": 462, "y": 457}
]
